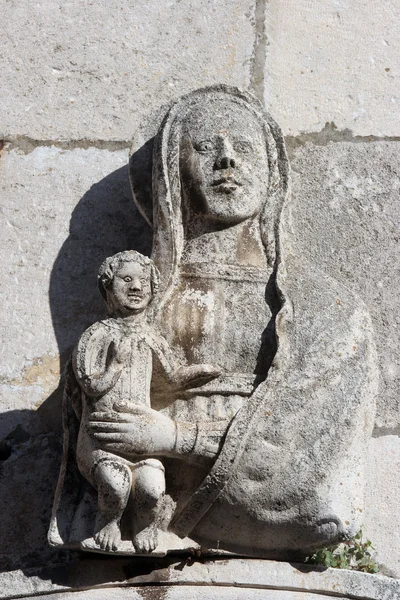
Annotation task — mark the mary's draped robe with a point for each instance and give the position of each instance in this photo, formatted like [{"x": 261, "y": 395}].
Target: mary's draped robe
[{"x": 300, "y": 367}]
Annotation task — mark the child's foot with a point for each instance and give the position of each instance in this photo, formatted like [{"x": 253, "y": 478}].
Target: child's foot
[
  {"x": 146, "y": 540},
  {"x": 109, "y": 537}
]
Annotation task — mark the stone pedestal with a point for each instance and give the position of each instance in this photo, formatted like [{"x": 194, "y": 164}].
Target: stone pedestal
[{"x": 181, "y": 579}]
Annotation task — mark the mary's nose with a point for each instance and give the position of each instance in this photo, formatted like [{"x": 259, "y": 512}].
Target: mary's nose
[{"x": 226, "y": 158}]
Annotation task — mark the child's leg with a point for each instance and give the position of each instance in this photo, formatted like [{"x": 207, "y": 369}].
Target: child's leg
[
  {"x": 148, "y": 489},
  {"x": 113, "y": 481}
]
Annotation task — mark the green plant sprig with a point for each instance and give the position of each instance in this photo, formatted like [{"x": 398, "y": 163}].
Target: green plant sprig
[{"x": 355, "y": 554}]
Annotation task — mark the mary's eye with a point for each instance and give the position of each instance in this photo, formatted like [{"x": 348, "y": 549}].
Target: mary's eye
[
  {"x": 127, "y": 279},
  {"x": 242, "y": 146},
  {"x": 204, "y": 146}
]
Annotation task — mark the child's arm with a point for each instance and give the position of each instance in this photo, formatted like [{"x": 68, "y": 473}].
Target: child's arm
[
  {"x": 195, "y": 375},
  {"x": 97, "y": 362},
  {"x": 180, "y": 376}
]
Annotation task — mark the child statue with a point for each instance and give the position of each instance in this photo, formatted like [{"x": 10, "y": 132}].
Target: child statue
[{"x": 113, "y": 366}]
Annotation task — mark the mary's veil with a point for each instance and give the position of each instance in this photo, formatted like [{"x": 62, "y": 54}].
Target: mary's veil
[{"x": 161, "y": 203}]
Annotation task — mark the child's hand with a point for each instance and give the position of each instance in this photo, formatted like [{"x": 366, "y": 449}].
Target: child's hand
[
  {"x": 196, "y": 375},
  {"x": 121, "y": 354}
]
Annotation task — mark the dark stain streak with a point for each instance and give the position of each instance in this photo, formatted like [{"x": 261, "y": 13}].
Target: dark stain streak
[{"x": 26, "y": 144}]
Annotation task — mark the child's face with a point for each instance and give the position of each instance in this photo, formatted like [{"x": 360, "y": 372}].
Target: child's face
[{"x": 131, "y": 288}]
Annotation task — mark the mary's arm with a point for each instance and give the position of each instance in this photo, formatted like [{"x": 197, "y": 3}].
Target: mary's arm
[
  {"x": 141, "y": 430},
  {"x": 199, "y": 441}
]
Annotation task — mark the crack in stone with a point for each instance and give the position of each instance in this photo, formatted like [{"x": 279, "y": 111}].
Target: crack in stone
[{"x": 259, "y": 57}]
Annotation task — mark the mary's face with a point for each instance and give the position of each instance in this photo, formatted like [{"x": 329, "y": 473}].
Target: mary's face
[{"x": 224, "y": 163}]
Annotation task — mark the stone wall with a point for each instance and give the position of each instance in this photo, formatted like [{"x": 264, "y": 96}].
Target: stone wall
[{"x": 78, "y": 79}]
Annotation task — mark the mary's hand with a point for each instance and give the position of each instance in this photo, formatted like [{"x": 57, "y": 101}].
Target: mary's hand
[{"x": 133, "y": 430}]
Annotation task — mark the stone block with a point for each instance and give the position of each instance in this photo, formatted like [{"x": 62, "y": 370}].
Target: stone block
[
  {"x": 63, "y": 212},
  {"x": 382, "y": 501},
  {"x": 185, "y": 592},
  {"x": 222, "y": 579},
  {"x": 333, "y": 61},
  {"x": 345, "y": 218},
  {"x": 92, "y": 70}
]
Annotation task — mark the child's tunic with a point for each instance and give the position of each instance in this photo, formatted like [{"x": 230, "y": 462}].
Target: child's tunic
[{"x": 130, "y": 384}]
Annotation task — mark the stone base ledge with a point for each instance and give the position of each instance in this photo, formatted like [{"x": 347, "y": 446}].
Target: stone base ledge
[{"x": 173, "y": 578}]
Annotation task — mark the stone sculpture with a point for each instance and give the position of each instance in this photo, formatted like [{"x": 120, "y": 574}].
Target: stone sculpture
[{"x": 267, "y": 458}]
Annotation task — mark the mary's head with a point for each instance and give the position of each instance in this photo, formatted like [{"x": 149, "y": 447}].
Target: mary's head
[{"x": 218, "y": 156}]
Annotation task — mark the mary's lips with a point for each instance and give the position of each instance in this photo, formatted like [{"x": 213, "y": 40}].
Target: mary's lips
[{"x": 226, "y": 185}]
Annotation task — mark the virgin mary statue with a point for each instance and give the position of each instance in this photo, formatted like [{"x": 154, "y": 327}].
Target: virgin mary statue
[
  {"x": 296, "y": 349},
  {"x": 267, "y": 459}
]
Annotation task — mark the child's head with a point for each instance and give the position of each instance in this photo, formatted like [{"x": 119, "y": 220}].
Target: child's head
[{"x": 128, "y": 282}]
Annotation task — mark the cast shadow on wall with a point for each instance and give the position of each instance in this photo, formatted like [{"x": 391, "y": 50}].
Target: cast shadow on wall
[{"x": 105, "y": 221}]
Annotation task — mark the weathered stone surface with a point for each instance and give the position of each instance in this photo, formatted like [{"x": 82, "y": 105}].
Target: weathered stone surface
[
  {"x": 63, "y": 212},
  {"x": 333, "y": 61},
  {"x": 91, "y": 71},
  {"x": 345, "y": 218},
  {"x": 223, "y": 579},
  {"x": 382, "y": 501}
]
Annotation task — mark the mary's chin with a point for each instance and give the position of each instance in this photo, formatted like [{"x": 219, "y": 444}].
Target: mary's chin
[{"x": 231, "y": 208}]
